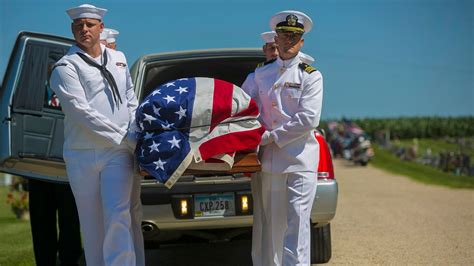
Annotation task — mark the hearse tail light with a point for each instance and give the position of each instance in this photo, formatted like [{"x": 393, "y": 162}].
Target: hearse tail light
[{"x": 325, "y": 167}]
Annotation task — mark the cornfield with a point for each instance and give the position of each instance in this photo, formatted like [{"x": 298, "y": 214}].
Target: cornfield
[{"x": 418, "y": 127}]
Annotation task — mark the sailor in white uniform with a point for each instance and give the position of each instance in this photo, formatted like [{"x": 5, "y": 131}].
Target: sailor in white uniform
[
  {"x": 94, "y": 86},
  {"x": 271, "y": 53},
  {"x": 289, "y": 93},
  {"x": 108, "y": 38}
]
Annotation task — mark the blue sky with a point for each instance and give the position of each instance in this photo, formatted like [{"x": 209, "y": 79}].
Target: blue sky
[{"x": 379, "y": 58}]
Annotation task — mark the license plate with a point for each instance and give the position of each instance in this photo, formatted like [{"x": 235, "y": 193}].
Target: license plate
[{"x": 212, "y": 205}]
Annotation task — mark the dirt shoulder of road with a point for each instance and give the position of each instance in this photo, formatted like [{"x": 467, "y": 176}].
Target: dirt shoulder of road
[{"x": 383, "y": 218}]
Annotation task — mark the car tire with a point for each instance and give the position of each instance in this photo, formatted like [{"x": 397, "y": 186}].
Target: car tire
[{"x": 320, "y": 244}]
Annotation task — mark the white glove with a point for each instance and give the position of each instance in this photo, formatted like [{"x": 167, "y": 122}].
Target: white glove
[{"x": 267, "y": 138}]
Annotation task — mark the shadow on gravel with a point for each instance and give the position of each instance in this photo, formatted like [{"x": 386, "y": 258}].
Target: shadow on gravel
[
  {"x": 226, "y": 253},
  {"x": 205, "y": 247}
]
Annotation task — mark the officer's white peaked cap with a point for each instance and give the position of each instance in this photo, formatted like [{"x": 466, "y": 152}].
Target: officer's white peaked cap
[
  {"x": 86, "y": 11},
  {"x": 268, "y": 37},
  {"x": 291, "y": 20}
]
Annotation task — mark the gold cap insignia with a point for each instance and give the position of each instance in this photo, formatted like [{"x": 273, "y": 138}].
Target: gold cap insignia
[{"x": 291, "y": 20}]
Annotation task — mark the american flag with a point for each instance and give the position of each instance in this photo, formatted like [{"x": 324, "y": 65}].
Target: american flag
[
  {"x": 192, "y": 120},
  {"x": 54, "y": 101}
]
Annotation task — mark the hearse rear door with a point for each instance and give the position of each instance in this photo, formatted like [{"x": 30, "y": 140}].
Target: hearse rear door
[{"x": 31, "y": 132}]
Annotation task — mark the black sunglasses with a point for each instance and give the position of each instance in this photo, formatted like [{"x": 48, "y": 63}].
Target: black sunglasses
[{"x": 289, "y": 35}]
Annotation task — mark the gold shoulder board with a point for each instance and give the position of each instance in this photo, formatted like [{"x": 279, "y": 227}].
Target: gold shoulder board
[{"x": 307, "y": 68}]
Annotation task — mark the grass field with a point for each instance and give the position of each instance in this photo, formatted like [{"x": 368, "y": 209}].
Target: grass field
[
  {"x": 385, "y": 160},
  {"x": 436, "y": 146},
  {"x": 16, "y": 247}
]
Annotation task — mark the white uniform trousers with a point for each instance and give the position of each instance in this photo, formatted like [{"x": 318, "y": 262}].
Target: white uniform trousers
[
  {"x": 286, "y": 201},
  {"x": 103, "y": 183},
  {"x": 136, "y": 212}
]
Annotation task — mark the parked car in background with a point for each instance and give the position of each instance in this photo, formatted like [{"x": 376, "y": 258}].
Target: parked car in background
[{"x": 31, "y": 137}]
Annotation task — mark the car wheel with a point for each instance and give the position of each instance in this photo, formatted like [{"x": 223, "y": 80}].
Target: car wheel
[{"x": 320, "y": 244}]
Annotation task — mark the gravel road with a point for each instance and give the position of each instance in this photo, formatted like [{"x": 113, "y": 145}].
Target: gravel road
[{"x": 383, "y": 218}]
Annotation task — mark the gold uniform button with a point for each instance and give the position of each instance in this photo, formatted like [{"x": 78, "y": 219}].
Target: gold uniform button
[{"x": 274, "y": 104}]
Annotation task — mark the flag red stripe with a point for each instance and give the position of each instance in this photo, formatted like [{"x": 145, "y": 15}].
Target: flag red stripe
[
  {"x": 234, "y": 141},
  {"x": 222, "y": 102},
  {"x": 251, "y": 110}
]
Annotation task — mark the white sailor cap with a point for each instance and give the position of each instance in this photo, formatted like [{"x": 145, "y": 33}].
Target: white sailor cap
[
  {"x": 86, "y": 11},
  {"x": 104, "y": 34},
  {"x": 268, "y": 37},
  {"x": 112, "y": 35},
  {"x": 290, "y": 20},
  {"x": 109, "y": 35},
  {"x": 305, "y": 58}
]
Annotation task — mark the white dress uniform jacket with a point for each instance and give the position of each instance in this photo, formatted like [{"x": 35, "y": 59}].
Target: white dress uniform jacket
[
  {"x": 95, "y": 121},
  {"x": 290, "y": 108}
]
